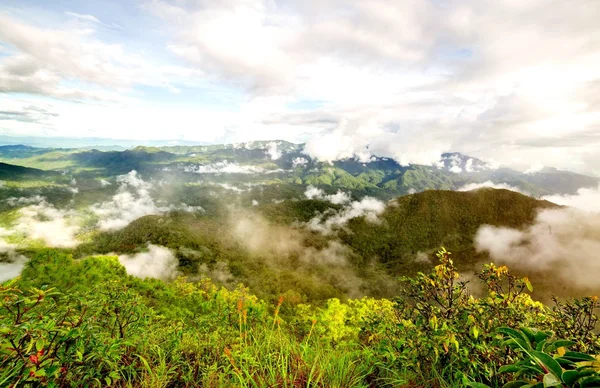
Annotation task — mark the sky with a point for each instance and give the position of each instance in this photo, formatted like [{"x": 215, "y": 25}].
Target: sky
[{"x": 512, "y": 82}]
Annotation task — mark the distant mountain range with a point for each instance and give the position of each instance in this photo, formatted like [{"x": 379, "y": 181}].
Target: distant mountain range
[{"x": 281, "y": 163}]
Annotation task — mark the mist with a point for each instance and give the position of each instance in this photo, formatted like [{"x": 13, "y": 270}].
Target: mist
[
  {"x": 55, "y": 227},
  {"x": 283, "y": 247},
  {"x": 369, "y": 208},
  {"x": 159, "y": 263},
  {"x": 561, "y": 242},
  {"x": 11, "y": 263},
  {"x": 490, "y": 184},
  {"x": 585, "y": 199}
]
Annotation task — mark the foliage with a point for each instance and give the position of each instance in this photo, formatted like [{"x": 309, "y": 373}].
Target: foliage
[
  {"x": 68, "y": 322},
  {"x": 547, "y": 362}
]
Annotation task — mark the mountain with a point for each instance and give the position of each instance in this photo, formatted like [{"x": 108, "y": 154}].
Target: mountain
[
  {"x": 11, "y": 172},
  {"x": 203, "y": 252},
  {"x": 261, "y": 247},
  {"x": 280, "y": 162}
]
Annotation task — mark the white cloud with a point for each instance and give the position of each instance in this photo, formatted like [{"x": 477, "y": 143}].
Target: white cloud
[
  {"x": 272, "y": 151},
  {"x": 456, "y": 169},
  {"x": 14, "y": 201},
  {"x": 561, "y": 241},
  {"x": 299, "y": 161},
  {"x": 534, "y": 168},
  {"x": 47, "y": 61},
  {"x": 55, "y": 227},
  {"x": 368, "y": 207},
  {"x": 490, "y": 184},
  {"x": 586, "y": 199},
  {"x": 12, "y": 269},
  {"x": 132, "y": 201},
  {"x": 338, "y": 198},
  {"x": 159, "y": 263},
  {"x": 15, "y": 262},
  {"x": 469, "y": 166},
  {"x": 512, "y": 81}
]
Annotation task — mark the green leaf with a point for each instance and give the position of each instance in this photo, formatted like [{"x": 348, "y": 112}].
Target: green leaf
[
  {"x": 540, "y": 346},
  {"x": 39, "y": 344},
  {"x": 517, "y": 343},
  {"x": 509, "y": 369},
  {"x": 528, "y": 284},
  {"x": 516, "y": 335},
  {"x": 570, "y": 377},
  {"x": 530, "y": 333},
  {"x": 475, "y": 331},
  {"x": 591, "y": 381},
  {"x": 476, "y": 385},
  {"x": 577, "y": 356},
  {"x": 564, "y": 362},
  {"x": 550, "y": 380},
  {"x": 548, "y": 362},
  {"x": 541, "y": 336}
]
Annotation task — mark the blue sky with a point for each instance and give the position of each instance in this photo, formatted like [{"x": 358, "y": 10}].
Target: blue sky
[{"x": 508, "y": 81}]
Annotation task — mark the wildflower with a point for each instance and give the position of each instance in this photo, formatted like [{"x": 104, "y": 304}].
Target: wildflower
[{"x": 34, "y": 359}]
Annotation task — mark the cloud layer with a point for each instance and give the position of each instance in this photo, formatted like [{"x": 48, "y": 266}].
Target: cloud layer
[
  {"x": 585, "y": 199},
  {"x": 515, "y": 82},
  {"x": 562, "y": 242}
]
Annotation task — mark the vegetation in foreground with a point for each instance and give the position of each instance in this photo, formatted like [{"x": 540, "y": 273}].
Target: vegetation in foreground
[{"x": 87, "y": 323}]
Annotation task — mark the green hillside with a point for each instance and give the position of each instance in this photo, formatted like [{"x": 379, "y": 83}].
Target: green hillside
[
  {"x": 18, "y": 173},
  {"x": 374, "y": 252},
  {"x": 421, "y": 223}
]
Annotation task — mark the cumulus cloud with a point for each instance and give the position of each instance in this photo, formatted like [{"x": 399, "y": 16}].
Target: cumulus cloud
[
  {"x": 44, "y": 59},
  {"x": 338, "y": 198},
  {"x": 564, "y": 242},
  {"x": 368, "y": 207},
  {"x": 401, "y": 79},
  {"x": 585, "y": 199},
  {"x": 490, "y": 184},
  {"x": 159, "y": 263}
]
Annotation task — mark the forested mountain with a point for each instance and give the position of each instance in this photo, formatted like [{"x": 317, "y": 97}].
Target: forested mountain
[
  {"x": 252, "y": 264},
  {"x": 285, "y": 163}
]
